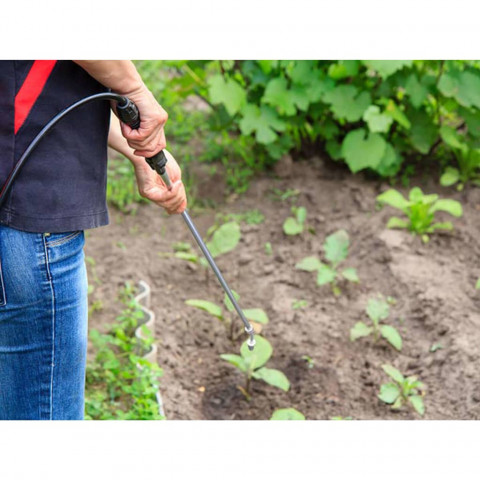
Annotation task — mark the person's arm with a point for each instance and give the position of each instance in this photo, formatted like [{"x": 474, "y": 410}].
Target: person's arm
[
  {"x": 122, "y": 77},
  {"x": 150, "y": 184}
]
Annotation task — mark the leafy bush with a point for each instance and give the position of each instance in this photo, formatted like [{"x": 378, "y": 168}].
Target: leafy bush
[{"x": 372, "y": 114}]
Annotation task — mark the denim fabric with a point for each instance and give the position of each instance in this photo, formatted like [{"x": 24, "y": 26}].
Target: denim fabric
[{"x": 43, "y": 325}]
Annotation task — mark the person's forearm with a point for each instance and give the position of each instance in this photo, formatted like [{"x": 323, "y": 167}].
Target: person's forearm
[{"x": 119, "y": 75}]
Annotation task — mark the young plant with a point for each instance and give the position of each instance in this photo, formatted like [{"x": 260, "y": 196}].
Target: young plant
[
  {"x": 420, "y": 210},
  {"x": 477, "y": 285},
  {"x": 295, "y": 225},
  {"x": 252, "y": 365},
  {"x": 377, "y": 310},
  {"x": 287, "y": 414},
  {"x": 256, "y": 316},
  {"x": 403, "y": 390},
  {"x": 336, "y": 251}
]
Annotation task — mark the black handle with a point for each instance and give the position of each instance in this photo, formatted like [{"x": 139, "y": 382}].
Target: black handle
[{"x": 128, "y": 113}]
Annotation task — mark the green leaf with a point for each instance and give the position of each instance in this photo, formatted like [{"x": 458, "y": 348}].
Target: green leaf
[
  {"x": 472, "y": 119},
  {"x": 385, "y": 68},
  {"x": 224, "y": 239},
  {"x": 395, "y": 222},
  {"x": 334, "y": 149},
  {"x": 336, "y": 247},
  {"x": 464, "y": 86},
  {"x": 273, "y": 377},
  {"x": 451, "y": 137},
  {"x": 325, "y": 275},
  {"x": 263, "y": 121},
  {"x": 227, "y": 92},
  {"x": 256, "y": 315},
  {"x": 351, "y": 275},
  {"x": 287, "y": 414},
  {"x": 362, "y": 152},
  {"x": 442, "y": 226},
  {"x": 360, "y": 330},
  {"x": 390, "y": 163},
  {"x": 208, "y": 307},
  {"x": 452, "y": 207},
  {"x": 260, "y": 354},
  {"x": 309, "y": 264},
  {"x": 377, "y": 310},
  {"x": 343, "y": 69},
  {"x": 235, "y": 360},
  {"x": 190, "y": 257},
  {"x": 416, "y": 91},
  {"x": 394, "y": 111},
  {"x": 292, "y": 227},
  {"x": 277, "y": 95},
  {"x": 228, "y": 303},
  {"x": 389, "y": 392},
  {"x": 301, "y": 215},
  {"x": 392, "y": 336},
  {"x": 477, "y": 285},
  {"x": 376, "y": 121},
  {"x": 417, "y": 404},
  {"x": 394, "y": 198},
  {"x": 450, "y": 177},
  {"x": 393, "y": 373},
  {"x": 423, "y": 132},
  {"x": 346, "y": 103}
]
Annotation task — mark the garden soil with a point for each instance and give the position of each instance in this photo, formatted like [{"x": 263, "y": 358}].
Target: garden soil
[{"x": 433, "y": 285}]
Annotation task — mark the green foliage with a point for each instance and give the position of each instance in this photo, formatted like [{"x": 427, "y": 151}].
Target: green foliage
[
  {"x": 377, "y": 310},
  {"x": 477, "y": 285},
  {"x": 336, "y": 252},
  {"x": 403, "y": 390},
  {"x": 122, "y": 190},
  {"x": 420, "y": 210},
  {"x": 297, "y": 304},
  {"x": 256, "y": 316},
  {"x": 252, "y": 365},
  {"x": 120, "y": 384},
  {"x": 287, "y": 414},
  {"x": 296, "y": 224}
]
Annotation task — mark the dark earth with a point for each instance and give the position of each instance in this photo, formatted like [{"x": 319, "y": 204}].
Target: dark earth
[{"x": 433, "y": 284}]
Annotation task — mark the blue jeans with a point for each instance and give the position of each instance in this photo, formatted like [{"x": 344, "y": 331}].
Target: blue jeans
[{"x": 43, "y": 325}]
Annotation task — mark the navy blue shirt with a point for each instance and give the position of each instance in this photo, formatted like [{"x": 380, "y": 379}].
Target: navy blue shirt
[{"x": 62, "y": 186}]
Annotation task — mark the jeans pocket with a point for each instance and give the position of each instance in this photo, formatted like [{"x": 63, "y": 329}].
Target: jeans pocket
[
  {"x": 3, "y": 298},
  {"x": 57, "y": 239}
]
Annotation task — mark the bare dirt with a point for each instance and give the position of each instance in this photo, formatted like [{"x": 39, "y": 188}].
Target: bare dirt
[{"x": 434, "y": 285}]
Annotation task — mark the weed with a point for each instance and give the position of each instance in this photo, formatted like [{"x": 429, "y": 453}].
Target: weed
[
  {"x": 341, "y": 418},
  {"x": 251, "y": 364},
  {"x": 296, "y": 224},
  {"x": 420, "y": 210},
  {"x": 435, "y": 347},
  {"x": 287, "y": 414},
  {"x": 250, "y": 217},
  {"x": 336, "y": 251},
  {"x": 402, "y": 390},
  {"x": 310, "y": 361},
  {"x": 281, "y": 196},
  {"x": 256, "y": 316},
  {"x": 120, "y": 384},
  {"x": 377, "y": 310},
  {"x": 268, "y": 248},
  {"x": 297, "y": 304},
  {"x": 477, "y": 285}
]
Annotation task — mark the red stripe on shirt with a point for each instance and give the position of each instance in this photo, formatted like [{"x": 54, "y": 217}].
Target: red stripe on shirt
[{"x": 30, "y": 90}]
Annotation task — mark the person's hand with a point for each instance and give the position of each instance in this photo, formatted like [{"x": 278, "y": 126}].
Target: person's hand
[
  {"x": 152, "y": 187},
  {"x": 149, "y": 138}
]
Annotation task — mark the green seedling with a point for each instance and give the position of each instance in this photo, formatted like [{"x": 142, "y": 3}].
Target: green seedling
[
  {"x": 310, "y": 361},
  {"x": 287, "y": 414},
  {"x": 256, "y": 316},
  {"x": 341, "y": 418},
  {"x": 297, "y": 304},
  {"x": 435, "y": 347},
  {"x": 403, "y": 390},
  {"x": 467, "y": 156},
  {"x": 251, "y": 364},
  {"x": 477, "y": 285},
  {"x": 420, "y": 210},
  {"x": 250, "y": 217},
  {"x": 268, "y": 248},
  {"x": 377, "y": 310},
  {"x": 295, "y": 225},
  {"x": 336, "y": 251},
  {"x": 280, "y": 195}
]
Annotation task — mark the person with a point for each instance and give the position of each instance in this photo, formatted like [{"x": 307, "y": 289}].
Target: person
[{"x": 59, "y": 193}]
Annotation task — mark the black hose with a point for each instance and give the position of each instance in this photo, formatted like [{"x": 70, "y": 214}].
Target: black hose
[{"x": 16, "y": 169}]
